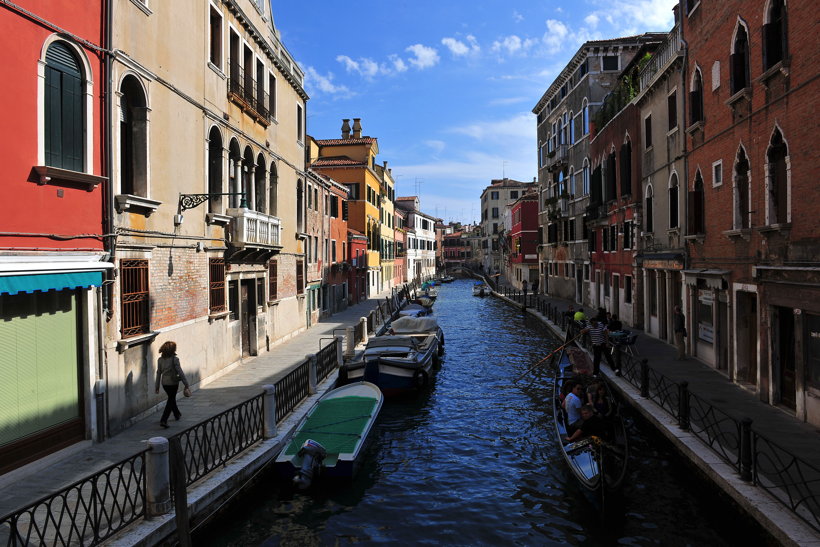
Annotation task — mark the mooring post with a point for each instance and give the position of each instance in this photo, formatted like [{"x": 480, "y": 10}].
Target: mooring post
[
  {"x": 269, "y": 411},
  {"x": 746, "y": 449},
  {"x": 350, "y": 347}
]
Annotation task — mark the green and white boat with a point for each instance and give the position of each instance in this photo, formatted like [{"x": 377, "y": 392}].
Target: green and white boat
[{"x": 330, "y": 440}]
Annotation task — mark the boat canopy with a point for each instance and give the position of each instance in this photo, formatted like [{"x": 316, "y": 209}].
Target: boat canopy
[{"x": 414, "y": 324}]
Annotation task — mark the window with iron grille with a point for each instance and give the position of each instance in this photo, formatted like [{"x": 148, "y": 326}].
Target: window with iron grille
[
  {"x": 216, "y": 293},
  {"x": 273, "y": 286},
  {"x": 134, "y": 297},
  {"x": 300, "y": 277}
]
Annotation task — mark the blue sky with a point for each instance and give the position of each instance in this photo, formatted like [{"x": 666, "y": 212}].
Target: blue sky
[{"x": 447, "y": 86}]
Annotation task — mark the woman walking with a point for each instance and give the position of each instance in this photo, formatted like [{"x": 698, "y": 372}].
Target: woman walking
[{"x": 169, "y": 372}]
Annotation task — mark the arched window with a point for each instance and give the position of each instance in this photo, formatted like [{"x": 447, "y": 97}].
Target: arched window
[
  {"x": 586, "y": 177},
  {"x": 626, "y": 168},
  {"x": 741, "y": 191},
  {"x": 774, "y": 35},
  {"x": 260, "y": 192},
  {"x": 64, "y": 111},
  {"x": 697, "y": 206},
  {"x": 133, "y": 138},
  {"x": 571, "y": 128},
  {"x": 235, "y": 173},
  {"x": 696, "y": 97},
  {"x": 215, "y": 170},
  {"x": 649, "y": 212},
  {"x": 739, "y": 60},
  {"x": 673, "y": 201},
  {"x": 585, "y": 106},
  {"x": 273, "y": 199},
  {"x": 777, "y": 180},
  {"x": 571, "y": 186},
  {"x": 248, "y": 170}
]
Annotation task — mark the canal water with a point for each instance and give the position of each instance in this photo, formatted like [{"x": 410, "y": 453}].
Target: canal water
[{"x": 473, "y": 462}]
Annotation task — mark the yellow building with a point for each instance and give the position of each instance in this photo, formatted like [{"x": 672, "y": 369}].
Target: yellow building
[
  {"x": 208, "y": 169},
  {"x": 387, "y": 219},
  {"x": 351, "y": 161}
]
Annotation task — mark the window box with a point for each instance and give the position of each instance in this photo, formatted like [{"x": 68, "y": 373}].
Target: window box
[
  {"x": 136, "y": 204},
  {"x": 218, "y": 315},
  {"x": 781, "y": 67},
  {"x": 65, "y": 177},
  {"x": 771, "y": 229},
  {"x": 745, "y": 93},
  {"x": 126, "y": 343}
]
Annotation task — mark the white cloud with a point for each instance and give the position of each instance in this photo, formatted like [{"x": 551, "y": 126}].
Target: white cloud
[
  {"x": 592, "y": 20},
  {"x": 398, "y": 63},
  {"x": 626, "y": 17},
  {"x": 459, "y": 48},
  {"x": 513, "y": 45},
  {"x": 556, "y": 36},
  {"x": 502, "y": 101},
  {"x": 364, "y": 66},
  {"x": 519, "y": 126},
  {"x": 324, "y": 84},
  {"x": 436, "y": 145},
  {"x": 517, "y": 17},
  {"x": 423, "y": 56}
]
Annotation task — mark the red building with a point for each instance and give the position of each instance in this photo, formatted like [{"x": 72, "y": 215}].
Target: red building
[
  {"x": 400, "y": 236},
  {"x": 615, "y": 197},
  {"x": 752, "y": 286},
  {"x": 52, "y": 245},
  {"x": 336, "y": 279},
  {"x": 357, "y": 273},
  {"x": 524, "y": 240},
  {"x": 454, "y": 250}
]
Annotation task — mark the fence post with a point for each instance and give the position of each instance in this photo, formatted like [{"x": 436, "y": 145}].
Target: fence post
[
  {"x": 157, "y": 477},
  {"x": 269, "y": 411},
  {"x": 312, "y": 373},
  {"x": 340, "y": 358},
  {"x": 644, "y": 378},
  {"x": 351, "y": 342},
  {"x": 683, "y": 405},
  {"x": 363, "y": 321},
  {"x": 746, "y": 449}
]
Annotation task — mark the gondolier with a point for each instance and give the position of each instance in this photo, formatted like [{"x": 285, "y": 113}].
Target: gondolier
[{"x": 599, "y": 335}]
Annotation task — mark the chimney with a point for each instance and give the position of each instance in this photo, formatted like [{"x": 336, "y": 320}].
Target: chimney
[
  {"x": 357, "y": 128},
  {"x": 385, "y": 166},
  {"x": 345, "y": 128}
]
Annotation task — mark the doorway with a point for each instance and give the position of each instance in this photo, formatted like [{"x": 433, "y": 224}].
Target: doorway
[
  {"x": 247, "y": 314},
  {"x": 746, "y": 367},
  {"x": 783, "y": 354}
]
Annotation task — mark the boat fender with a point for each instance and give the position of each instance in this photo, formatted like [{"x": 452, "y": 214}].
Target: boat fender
[
  {"x": 421, "y": 378},
  {"x": 312, "y": 454}
]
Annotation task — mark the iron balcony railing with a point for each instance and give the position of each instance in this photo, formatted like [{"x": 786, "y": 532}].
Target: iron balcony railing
[{"x": 248, "y": 93}]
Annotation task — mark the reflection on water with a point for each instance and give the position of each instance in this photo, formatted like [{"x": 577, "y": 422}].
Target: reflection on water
[{"x": 473, "y": 462}]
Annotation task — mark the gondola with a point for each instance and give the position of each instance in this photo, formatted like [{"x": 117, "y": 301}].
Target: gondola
[{"x": 599, "y": 463}]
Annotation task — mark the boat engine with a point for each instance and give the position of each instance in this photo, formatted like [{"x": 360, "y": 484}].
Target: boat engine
[{"x": 312, "y": 454}]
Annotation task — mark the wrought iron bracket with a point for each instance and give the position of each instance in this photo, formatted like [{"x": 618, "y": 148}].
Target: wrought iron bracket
[{"x": 189, "y": 201}]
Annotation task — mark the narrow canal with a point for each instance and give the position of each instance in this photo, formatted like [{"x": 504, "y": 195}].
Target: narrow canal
[{"x": 474, "y": 462}]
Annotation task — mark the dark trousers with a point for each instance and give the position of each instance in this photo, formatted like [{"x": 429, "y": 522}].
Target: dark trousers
[
  {"x": 596, "y": 358},
  {"x": 171, "y": 404}
]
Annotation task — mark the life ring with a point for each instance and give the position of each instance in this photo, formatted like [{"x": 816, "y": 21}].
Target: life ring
[{"x": 420, "y": 378}]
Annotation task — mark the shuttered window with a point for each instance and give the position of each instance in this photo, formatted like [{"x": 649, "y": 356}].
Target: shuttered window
[
  {"x": 134, "y": 298},
  {"x": 216, "y": 267},
  {"x": 300, "y": 277},
  {"x": 64, "y": 135}
]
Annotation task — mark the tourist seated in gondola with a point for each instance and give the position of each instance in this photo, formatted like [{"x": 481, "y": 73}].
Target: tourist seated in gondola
[
  {"x": 601, "y": 403},
  {"x": 572, "y": 405},
  {"x": 591, "y": 425}
]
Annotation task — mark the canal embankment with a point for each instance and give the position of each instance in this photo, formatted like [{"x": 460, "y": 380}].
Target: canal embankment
[
  {"x": 119, "y": 491},
  {"x": 757, "y": 468}
]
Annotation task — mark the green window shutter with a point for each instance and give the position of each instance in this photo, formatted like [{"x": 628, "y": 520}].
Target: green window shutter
[
  {"x": 53, "y": 118},
  {"x": 72, "y": 115},
  {"x": 64, "y": 126}
]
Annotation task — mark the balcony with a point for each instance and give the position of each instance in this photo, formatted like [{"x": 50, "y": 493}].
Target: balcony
[
  {"x": 252, "y": 229},
  {"x": 558, "y": 158},
  {"x": 663, "y": 58},
  {"x": 248, "y": 94}
]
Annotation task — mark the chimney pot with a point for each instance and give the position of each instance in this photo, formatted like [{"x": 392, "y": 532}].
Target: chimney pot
[
  {"x": 357, "y": 128},
  {"x": 345, "y": 128}
]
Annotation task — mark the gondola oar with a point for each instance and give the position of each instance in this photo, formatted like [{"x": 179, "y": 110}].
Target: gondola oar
[{"x": 553, "y": 352}]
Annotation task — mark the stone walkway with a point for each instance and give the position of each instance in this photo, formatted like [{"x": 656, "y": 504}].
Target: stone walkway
[{"x": 240, "y": 383}]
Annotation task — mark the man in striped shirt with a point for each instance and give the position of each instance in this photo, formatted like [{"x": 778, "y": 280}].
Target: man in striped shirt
[{"x": 599, "y": 335}]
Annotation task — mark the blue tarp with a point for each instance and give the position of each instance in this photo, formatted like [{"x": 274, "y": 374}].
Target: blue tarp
[{"x": 13, "y": 284}]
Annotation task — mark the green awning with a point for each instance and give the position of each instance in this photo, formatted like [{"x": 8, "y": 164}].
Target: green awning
[{"x": 14, "y": 284}]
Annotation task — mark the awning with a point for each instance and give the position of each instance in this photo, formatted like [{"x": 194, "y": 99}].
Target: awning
[
  {"x": 713, "y": 278},
  {"x": 14, "y": 284}
]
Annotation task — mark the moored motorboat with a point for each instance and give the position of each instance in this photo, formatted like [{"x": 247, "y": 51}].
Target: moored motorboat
[
  {"x": 481, "y": 289},
  {"x": 598, "y": 462},
  {"x": 396, "y": 363},
  {"x": 414, "y": 310},
  {"x": 419, "y": 327},
  {"x": 330, "y": 440},
  {"x": 448, "y": 279}
]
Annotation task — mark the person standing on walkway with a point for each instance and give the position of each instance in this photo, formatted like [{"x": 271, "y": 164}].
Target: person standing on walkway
[
  {"x": 679, "y": 327},
  {"x": 599, "y": 336},
  {"x": 169, "y": 373}
]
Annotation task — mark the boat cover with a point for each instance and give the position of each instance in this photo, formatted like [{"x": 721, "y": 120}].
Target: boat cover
[
  {"x": 394, "y": 341},
  {"x": 337, "y": 424},
  {"x": 404, "y": 325}
]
